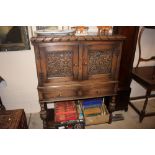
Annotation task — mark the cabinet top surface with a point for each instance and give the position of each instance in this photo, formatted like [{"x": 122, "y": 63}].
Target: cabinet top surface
[{"x": 48, "y": 39}]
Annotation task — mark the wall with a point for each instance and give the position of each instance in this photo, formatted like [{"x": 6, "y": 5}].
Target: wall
[
  {"x": 148, "y": 50},
  {"x": 19, "y": 70}
]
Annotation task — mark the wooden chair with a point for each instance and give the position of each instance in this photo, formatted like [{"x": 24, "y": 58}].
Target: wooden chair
[{"x": 145, "y": 76}]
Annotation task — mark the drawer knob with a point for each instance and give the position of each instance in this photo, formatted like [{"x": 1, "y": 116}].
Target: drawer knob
[
  {"x": 97, "y": 91},
  {"x": 75, "y": 65},
  {"x": 79, "y": 92},
  {"x": 60, "y": 94},
  {"x": 85, "y": 63}
]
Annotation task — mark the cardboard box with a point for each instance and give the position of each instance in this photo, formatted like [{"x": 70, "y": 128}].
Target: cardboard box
[{"x": 98, "y": 119}]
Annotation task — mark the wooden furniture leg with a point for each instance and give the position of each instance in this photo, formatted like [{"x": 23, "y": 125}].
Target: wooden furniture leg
[
  {"x": 153, "y": 75},
  {"x": 43, "y": 114},
  {"x": 112, "y": 108},
  {"x": 142, "y": 114}
]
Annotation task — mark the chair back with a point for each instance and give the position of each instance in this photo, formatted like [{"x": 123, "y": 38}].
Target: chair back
[{"x": 141, "y": 59}]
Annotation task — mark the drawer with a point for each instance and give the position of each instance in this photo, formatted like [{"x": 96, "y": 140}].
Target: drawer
[
  {"x": 58, "y": 93},
  {"x": 86, "y": 90},
  {"x": 98, "y": 90}
]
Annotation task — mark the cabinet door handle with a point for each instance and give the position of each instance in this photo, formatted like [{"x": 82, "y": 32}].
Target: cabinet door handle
[
  {"x": 79, "y": 92},
  {"x": 97, "y": 91},
  {"x": 85, "y": 63},
  {"x": 75, "y": 65}
]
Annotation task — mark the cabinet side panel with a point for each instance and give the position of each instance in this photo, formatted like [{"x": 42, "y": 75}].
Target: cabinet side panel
[{"x": 128, "y": 52}]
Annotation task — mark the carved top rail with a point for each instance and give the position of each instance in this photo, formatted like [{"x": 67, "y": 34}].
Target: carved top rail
[{"x": 48, "y": 39}]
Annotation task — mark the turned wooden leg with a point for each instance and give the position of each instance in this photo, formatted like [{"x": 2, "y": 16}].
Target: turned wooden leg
[
  {"x": 43, "y": 114},
  {"x": 153, "y": 75},
  {"x": 112, "y": 108},
  {"x": 142, "y": 114},
  {"x": 110, "y": 118},
  {"x": 126, "y": 109}
]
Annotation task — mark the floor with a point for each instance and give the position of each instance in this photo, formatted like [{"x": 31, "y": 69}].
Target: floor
[{"x": 131, "y": 119}]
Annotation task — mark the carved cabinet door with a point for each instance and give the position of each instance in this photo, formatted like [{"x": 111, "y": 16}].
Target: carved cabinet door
[
  {"x": 59, "y": 62},
  {"x": 101, "y": 60}
]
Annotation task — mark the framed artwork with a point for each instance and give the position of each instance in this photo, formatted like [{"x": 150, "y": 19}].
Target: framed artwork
[{"x": 14, "y": 38}]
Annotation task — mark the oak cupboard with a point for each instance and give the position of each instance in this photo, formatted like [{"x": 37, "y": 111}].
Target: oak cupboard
[{"x": 77, "y": 67}]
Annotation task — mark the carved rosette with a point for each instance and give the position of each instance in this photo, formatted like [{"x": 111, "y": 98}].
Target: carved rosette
[
  {"x": 59, "y": 63},
  {"x": 100, "y": 62}
]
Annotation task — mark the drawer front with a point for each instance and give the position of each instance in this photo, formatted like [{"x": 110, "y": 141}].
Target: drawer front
[
  {"x": 98, "y": 90},
  {"x": 58, "y": 93},
  {"x": 78, "y": 92}
]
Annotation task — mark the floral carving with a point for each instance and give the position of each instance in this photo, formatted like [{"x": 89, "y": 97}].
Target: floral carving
[
  {"x": 59, "y": 63},
  {"x": 99, "y": 62}
]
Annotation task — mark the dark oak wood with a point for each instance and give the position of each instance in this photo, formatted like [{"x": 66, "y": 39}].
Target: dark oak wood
[
  {"x": 144, "y": 76},
  {"x": 13, "y": 119},
  {"x": 72, "y": 68},
  {"x": 127, "y": 58}
]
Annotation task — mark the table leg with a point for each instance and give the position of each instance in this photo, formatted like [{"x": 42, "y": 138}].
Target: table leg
[
  {"x": 43, "y": 114},
  {"x": 112, "y": 107}
]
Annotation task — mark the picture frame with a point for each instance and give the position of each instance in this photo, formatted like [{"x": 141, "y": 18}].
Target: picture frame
[{"x": 14, "y": 38}]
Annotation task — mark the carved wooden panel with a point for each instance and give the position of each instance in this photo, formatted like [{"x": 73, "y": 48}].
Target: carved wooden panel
[
  {"x": 100, "y": 62},
  {"x": 59, "y": 64}
]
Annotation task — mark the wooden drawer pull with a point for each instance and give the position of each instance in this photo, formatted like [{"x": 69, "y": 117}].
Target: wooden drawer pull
[
  {"x": 85, "y": 63},
  {"x": 60, "y": 94},
  {"x": 75, "y": 65},
  {"x": 79, "y": 92},
  {"x": 97, "y": 92}
]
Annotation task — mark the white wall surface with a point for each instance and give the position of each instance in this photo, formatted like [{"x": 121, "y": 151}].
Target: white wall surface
[
  {"x": 148, "y": 50},
  {"x": 19, "y": 70}
]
